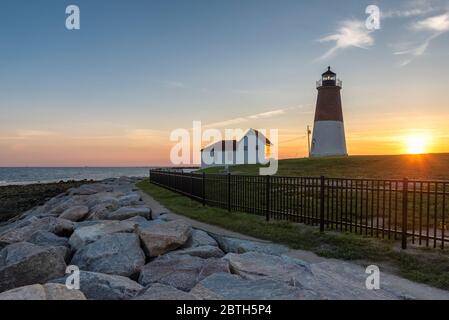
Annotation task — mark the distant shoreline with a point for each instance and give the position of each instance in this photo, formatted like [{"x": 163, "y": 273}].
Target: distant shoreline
[
  {"x": 16, "y": 199},
  {"x": 42, "y": 175}
]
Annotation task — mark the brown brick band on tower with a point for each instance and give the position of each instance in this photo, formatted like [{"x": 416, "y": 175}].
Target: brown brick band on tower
[{"x": 328, "y": 106}]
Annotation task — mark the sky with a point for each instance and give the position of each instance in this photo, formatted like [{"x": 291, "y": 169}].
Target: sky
[{"x": 111, "y": 93}]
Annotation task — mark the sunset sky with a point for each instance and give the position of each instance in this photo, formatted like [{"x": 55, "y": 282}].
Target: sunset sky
[{"x": 111, "y": 93}]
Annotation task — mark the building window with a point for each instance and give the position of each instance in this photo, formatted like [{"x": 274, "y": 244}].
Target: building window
[{"x": 212, "y": 153}]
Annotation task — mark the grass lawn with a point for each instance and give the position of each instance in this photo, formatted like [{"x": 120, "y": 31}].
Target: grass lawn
[
  {"x": 428, "y": 166},
  {"x": 421, "y": 265}
]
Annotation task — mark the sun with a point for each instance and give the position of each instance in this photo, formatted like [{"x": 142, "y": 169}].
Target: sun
[{"x": 416, "y": 144}]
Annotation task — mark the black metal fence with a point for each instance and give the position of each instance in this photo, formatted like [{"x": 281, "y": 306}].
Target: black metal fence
[{"x": 409, "y": 210}]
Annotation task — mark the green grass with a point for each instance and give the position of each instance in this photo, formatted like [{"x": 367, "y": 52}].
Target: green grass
[
  {"x": 429, "y": 166},
  {"x": 422, "y": 265}
]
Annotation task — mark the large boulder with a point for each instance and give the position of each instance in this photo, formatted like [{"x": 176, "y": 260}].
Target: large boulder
[
  {"x": 234, "y": 245},
  {"x": 95, "y": 199},
  {"x": 103, "y": 209},
  {"x": 62, "y": 205},
  {"x": 75, "y": 214},
  {"x": 144, "y": 223},
  {"x": 254, "y": 265},
  {"x": 54, "y": 225},
  {"x": 200, "y": 238},
  {"x": 223, "y": 286},
  {"x": 204, "y": 252},
  {"x": 91, "y": 233},
  {"x": 100, "y": 286},
  {"x": 45, "y": 238},
  {"x": 330, "y": 280},
  {"x": 128, "y": 212},
  {"x": 49, "y": 291},
  {"x": 159, "y": 291},
  {"x": 162, "y": 238},
  {"x": 88, "y": 189},
  {"x": 130, "y": 200},
  {"x": 339, "y": 280},
  {"x": 180, "y": 271},
  {"x": 118, "y": 253},
  {"x": 24, "y": 263}
]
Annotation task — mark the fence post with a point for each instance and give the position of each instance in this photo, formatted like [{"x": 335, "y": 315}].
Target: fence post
[
  {"x": 322, "y": 204},
  {"x": 267, "y": 177},
  {"x": 229, "y": 192},
  {"x": 204, "y": 188},
  {"x": 404, "y": 212},
  {"x": 191, "y": 184}
]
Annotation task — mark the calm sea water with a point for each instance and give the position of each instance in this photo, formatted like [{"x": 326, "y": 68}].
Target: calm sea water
[{"x": 10, "y": 176}]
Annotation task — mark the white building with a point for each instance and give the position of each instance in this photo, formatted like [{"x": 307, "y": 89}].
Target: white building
[{"x": 252, "y": 148}]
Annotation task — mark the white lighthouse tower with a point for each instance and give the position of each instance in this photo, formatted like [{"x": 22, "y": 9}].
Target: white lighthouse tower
[{"x": 328, "y": 132}]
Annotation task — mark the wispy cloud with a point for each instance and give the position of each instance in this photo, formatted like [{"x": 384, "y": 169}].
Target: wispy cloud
[
  {"x": 437, "y": 25},
  {"x": 350, "y": 34},
  {"x": 407, "y": 13},
  {"x": 258, "y": 116},
  {"x": 173, "y": 84},
  {"x": 28, "y": 134}
]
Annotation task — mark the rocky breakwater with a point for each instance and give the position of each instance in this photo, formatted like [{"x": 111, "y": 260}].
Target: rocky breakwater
[{"x": 122, "y": 252}]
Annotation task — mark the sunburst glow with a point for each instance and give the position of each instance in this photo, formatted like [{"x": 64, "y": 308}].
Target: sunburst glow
[{"x": 416, "y": 144}]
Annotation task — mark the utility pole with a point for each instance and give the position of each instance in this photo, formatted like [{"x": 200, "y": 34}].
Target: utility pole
[{"x": 309, "y": 132}]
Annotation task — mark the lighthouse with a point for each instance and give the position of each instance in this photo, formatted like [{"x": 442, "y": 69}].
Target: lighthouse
[{"x": 328, "y": 131}]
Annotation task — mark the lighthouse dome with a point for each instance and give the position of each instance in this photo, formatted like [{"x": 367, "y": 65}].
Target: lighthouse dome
[{"x": 329, "y": 78}]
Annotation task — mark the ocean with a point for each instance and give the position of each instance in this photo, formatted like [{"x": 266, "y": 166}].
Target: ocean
[{"x": 22, "y": 176}]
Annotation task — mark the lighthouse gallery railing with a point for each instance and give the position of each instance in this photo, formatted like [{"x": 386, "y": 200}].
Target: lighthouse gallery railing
[{"x": 409, "y": 210}]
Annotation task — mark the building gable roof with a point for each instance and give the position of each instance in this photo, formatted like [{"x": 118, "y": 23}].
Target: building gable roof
[{"x": 227, "y": 145}]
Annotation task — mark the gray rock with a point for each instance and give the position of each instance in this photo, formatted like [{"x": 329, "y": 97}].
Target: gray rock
[
  {"x": 164, "y": 217},
  {"x": 200, "y": 238},
  {"x": 101, "y": 286},
  {"x": 49, "y": 291},
  {"x": 128, "y": 212},
  {"x": 254, "y": 265},
  {"x": 223, "y": 286},
  {"x": 103, "y": 209},
  {"x": 45, "y": 238},
  {"x": 17, "y": 223},
  {"x": 117, "y": 253},
  {"x": 180, "y": 271},
  {"x": 339, "y": 280},
  {"x": 54, "y": 225},
  {"x": 142, "y": 222},
  {"x": 62, "y": 251},
  {"x": 89, "y": 189},
  {"x": 234, "y": 245},
  {"x": 335, "y": 280},
  {"x": 130, "y": 200},
  {"x": 95, "y": 199},
  {"x": 162, "y": 292},
  {"x": 162, "y": 238},
  {"x": 63, "y": 205},
  {"x": 202, "y": 252},
  {"x": 24, "y": 264},
  {"x": 75, "y": 214},
  {"x": 88, "y": 234}
]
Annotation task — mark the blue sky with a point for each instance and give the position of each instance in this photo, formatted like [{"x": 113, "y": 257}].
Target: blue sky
[{"x": 138, "y": 69}]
